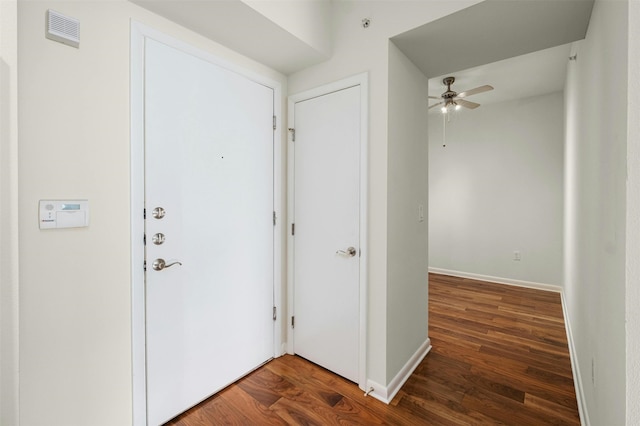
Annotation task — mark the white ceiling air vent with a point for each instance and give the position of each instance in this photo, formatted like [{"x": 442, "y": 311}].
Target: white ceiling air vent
[{"x": 63, "y": 28}]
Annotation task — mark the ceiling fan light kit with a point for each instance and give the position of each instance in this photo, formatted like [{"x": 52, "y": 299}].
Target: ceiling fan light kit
[{"x": 453, "y": 105}]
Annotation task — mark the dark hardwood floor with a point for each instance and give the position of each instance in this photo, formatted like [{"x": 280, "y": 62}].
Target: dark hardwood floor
[{"x": 499, "y": 357}]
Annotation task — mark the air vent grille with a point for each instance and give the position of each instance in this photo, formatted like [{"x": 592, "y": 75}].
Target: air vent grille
[{"x": 63, "y": 28}]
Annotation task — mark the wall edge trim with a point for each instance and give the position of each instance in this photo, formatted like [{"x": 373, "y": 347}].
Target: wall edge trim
[
  {"x": 499, "y": 280},
  {"x": 577, "y": 378}
]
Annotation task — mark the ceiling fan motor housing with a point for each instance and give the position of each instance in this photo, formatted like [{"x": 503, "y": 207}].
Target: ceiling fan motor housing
[{"x": 449, "y": 94}]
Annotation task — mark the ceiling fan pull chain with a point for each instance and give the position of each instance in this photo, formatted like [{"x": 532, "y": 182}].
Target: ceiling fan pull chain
[{"x": 444, "y": 131}]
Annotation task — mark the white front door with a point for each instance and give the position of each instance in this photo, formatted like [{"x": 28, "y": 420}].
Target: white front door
[
  {"x": 327, "y": 243},
  {"x": 209, "y": 168}
]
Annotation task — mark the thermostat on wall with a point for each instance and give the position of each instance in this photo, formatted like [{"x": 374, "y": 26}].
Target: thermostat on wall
[{"x": 64, "y": 214}]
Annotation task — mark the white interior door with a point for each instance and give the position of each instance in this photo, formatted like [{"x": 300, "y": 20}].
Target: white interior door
[
  {"x": 327, "y": 230},
  {"x": 209, "y": 166}
]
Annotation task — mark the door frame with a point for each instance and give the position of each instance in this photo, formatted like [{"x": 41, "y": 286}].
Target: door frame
[
  {"x": 139, "y": 32},
  {"x": 356, "y": 80}
]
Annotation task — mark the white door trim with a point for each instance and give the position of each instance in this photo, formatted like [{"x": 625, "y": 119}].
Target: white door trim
[
  {"x": 356, "y": 80},
  {"x": 138, "y": 34}
]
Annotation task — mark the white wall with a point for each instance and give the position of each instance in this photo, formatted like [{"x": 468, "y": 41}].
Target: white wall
[
  {"x": 359, "y": 50},
  {"x": 633, "y": 220},
  {"x": 75, "y": 289},
  {"x": 407, "y": 256},
  {"x": 595, "y": 209},
  {"x": 8, "y": 213},
  {"x": 497, "y": 187}
]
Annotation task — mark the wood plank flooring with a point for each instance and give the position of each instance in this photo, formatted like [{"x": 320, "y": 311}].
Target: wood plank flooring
[{"x": 499, "y": 357}]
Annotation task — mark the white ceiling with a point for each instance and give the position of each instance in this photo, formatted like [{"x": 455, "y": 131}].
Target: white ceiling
[
  {"x": 493, "y": 30},
  {"x": 505, "y": 43},
  {"x": 241, "y": 28},
  {"x": 536, "y": 73},
  {"x": 520, "y": 47}
]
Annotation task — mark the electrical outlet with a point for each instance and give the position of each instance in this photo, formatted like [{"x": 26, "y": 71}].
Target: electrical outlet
[{"x": 516, "y": 255}]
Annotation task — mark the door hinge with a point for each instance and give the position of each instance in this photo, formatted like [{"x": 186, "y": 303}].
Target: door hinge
[
  {"x": 144, "y": 213},
  {"x": 274, "y": 218},
  {"x": 293, "y": 322},
  {"x": 274, "y": 122},
  {"x": 293, "y": 229},
  {"x": 293, "y": 134},
  {"x": 144, "y": 239},
  {"x": 144, "y": 266},
  {"x": 274, "y": 313}
]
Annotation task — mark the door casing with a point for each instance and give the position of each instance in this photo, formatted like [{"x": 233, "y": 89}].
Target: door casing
[
  {"x": 356, "y": 80},
  {"x": 139, "y": 33}
]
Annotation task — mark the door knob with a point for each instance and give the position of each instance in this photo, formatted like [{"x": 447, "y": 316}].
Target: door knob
[
  {"x": 348, "y": 252},
  {"x": 160, "y": 264}
]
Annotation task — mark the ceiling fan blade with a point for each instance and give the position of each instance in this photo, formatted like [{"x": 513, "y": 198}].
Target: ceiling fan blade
[
  {"x": 435, "y": 97},
  {"x": 475, "y": 91},
  {"x": 467, "y": 104},
  {"x": 435, "y": 105}
]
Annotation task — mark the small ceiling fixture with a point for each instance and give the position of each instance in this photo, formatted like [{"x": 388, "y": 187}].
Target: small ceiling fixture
[{"x": 452, "y": 101}]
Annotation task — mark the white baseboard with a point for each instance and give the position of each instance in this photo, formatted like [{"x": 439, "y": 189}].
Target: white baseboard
[
  {"x": 577, "y": 379},
  {"x": 386, "y": 393},
  {"x": 499, "y": 280}
]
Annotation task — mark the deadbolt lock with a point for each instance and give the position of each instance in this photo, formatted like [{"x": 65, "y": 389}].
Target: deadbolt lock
[
  {"x": 158, "y": 238},
  {"x": 158, "y": 213}
]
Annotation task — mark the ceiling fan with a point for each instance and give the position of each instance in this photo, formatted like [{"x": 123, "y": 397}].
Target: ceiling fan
[{"x": 453, "y": 101}]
